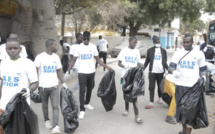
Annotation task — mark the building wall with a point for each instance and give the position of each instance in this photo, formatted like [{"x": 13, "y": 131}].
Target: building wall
[{"x": 6, "y": 25}]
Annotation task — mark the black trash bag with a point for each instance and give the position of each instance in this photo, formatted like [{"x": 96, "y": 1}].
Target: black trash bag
[
  {"x": 192, "y": 106},
  {"x": 19, "y": 118},
  {"x": 65, "y": 63},
  {"x": 133, "y": 84},
  {"x": 36, "y": 97},
  {"x": 107, "y": 90},
  {"x": 69, "y": 109},
  {"x": 166, "y": 98}
]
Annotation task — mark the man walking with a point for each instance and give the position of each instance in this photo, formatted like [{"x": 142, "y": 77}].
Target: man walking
[
  {"x": 16, "y": 73},
  {"x": 85, "y": 53},
  {"x": 186, "y": 65},
  {"x": 157, "y": 58},
  {"x": 50, "y": 69},
  {"x": 102, "y": 46}
]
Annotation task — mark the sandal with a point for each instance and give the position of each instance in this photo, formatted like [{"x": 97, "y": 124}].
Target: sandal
[{"x": 139, "y": 120}]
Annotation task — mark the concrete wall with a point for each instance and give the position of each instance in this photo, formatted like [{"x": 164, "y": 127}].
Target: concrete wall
[{"x": 6, "y": 25}]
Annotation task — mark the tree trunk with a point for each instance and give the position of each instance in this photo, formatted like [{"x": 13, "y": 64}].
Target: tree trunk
[
  {"x": 63, "y": 24},
  {"x": 123, "y": 31},
  {"x": 35, "y": 23},
  {"x": 134, "y": 28}
]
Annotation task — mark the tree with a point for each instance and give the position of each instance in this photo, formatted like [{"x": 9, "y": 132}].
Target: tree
[
  {"x": 160, "y": 12},
  {"x": 192, "y": 28},
  {"x": 34, "y": 21},
  {"x": 210, "y": 6}
]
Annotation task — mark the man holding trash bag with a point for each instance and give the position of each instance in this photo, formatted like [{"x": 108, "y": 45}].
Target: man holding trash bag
[
  {"x": 130, "y": 57},
  {"x": 186, "y": 65},
  {"x": 16, "y": 73},
  {"x": 49, "y": 70}
]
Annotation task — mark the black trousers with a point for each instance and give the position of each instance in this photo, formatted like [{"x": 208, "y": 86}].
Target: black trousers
[
  {"x": 86, "y": 83},
  {"x": 134, "y": 105},
  {"x": 153, "y": 77},
  {"x": 102, "y": 55}
]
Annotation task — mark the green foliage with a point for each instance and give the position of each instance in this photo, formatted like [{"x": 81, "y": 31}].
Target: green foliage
[
  {"x": 210, "y": 6},
  {"x": 193, "y": 27}
]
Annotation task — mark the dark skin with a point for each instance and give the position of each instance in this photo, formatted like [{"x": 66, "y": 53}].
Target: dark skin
[
  {"x": 132, "y": 45},
  {"x": 50, "y": 50},
  {"x": 86, "y": 41},
  {"x": 13, "y": 49}
]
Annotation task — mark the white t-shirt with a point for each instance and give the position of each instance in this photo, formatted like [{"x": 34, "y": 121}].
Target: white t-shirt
[
  {"x": 4, "y": 55},
  {"x": 188, "y": 66},
  {"x": 157, "y": 63},
  {"x": 85, "y": 56},
  {"x": 48, "y": 66},
  {"x": 102, "y": 44},
  {"x": 73, "y": 48},
  {"x": 16, "y": 75},
  {"x": 129, "y": 57}
]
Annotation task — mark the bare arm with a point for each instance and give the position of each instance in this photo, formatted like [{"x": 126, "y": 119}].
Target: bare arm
[
  {"x": 67, "y": 49},
  {"x": 120, "y": 64},
  {"x": 60, "y": 75},
  {"x": 101, "y": 63},
  {"x": 72, "y": 63},
  {"x": 33, "y": 86}
]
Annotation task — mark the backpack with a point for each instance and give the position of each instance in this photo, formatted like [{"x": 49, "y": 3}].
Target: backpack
[{"x": 209, "y": 54}]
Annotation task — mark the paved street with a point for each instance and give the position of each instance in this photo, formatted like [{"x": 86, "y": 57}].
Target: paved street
[{"x": 100, "y": 122}]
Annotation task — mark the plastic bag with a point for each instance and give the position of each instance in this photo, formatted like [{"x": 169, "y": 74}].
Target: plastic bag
[
  {"x": 69, "y": 109},
  {"x": 65, "y": 63},
  {"x": 192, "y": 106},
  {"x": 107, "y": 90},
  {"x": 133, "y": 84},
  {"x": 35, "y": 96},
  {"x": 19, "y": 118}
]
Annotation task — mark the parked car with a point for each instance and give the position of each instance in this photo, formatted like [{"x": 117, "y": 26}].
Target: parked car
[{"x": 142, "y": 45}]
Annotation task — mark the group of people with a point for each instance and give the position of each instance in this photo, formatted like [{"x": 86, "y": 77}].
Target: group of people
[{"x": 18, "y": 72}]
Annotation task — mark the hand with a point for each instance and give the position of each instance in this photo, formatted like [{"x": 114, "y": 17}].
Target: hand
[
  {"x": 176, "y": 74},
  {"x": 108, "y": 68},
  {"x": 26, "y": 94},
  {"x": 65, "y": 86},
  {"x": 66, "y": 75},
  {"x": 204, "y": 77}
]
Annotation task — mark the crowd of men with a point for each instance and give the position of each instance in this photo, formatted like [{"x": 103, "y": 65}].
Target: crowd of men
[{"x": 18, "y": 72}]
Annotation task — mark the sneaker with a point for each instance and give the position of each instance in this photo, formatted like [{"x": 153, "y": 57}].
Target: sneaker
[
  {"x": 125, "y": 113},
  {"x": 88, "y": 106},
  {"x": 56, "y": 130},
  {"x": 160, "y": 101},
  {"x": 138, "y": 120},
  {"x": 149, "y": 106},
  {"x": 48, "y": 124},
  {"x": 170, "y": 120},
  {"x": 81, "y": 115}
]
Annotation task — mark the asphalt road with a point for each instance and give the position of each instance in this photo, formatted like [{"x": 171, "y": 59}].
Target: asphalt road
[{"x": 98, "y": 121}]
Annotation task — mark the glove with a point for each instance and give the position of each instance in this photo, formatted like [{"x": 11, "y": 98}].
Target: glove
[
  {"x": 66, "y": 75},
  {"x": 176, "y": 74},
  {"x": 64, "y": 86},
  {"x": 27, "y": 93},
  {"x": 204, "y": 77},
  {"x": 127, "y": 67}
]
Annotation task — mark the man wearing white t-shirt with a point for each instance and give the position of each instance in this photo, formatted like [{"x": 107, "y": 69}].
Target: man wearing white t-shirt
[
  {"x": 4, "y": 54},
  {"x": 102, "y": 46},
  {"x": 85, "y": 53},
  {"x": 157, "y": 58},
  {"x": 50, "y": 69},
  {"x": 73, "y": 47},
  {"x": 16, "y": 73},
  {"x": 186, "y": 65},
  {"x": 130, "y": 57}
]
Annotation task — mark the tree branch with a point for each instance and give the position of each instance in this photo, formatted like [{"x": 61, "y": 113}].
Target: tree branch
[{"x": 72, "y": 12}]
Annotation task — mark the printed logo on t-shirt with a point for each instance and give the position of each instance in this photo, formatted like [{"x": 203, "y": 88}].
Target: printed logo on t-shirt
[
  {"x": 10, "y": 81},
  {"x": 187, "y": 64},
  {"x": 49, "y": 69},
  {"x": 129, "y": 59},
  {"x": 157, "y": 57},
  {"x": 86, "y": 56}
]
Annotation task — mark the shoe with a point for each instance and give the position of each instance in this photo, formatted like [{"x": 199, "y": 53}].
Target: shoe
[
  {"x": 88, "y": 106},
  {"x": 125, "y": 113},
  {"x": 149, "y": 106},
  {"x": 170, "y": 120},
  {"x": 56, "y": 130},
  {"x": 182, "y": 132},
  {"x": 81, "y": 115},
  {"x": 48, "y": 124},
  {"x": 160, "y": 101},
  {"x": 139, "y": 120}
]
